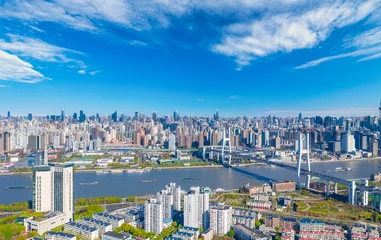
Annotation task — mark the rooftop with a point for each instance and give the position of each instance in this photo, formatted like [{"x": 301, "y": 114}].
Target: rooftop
[
  {"x": 95, "y": 221},
  {"x": 105, "y": 215},
  {"x": 61, "y": 234},
  {"x": 80, "y": 226},
  {"x": 122, "y": 235}
]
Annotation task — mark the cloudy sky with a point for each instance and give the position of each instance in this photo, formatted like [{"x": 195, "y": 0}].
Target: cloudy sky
[{"x": 245, "y": 57}]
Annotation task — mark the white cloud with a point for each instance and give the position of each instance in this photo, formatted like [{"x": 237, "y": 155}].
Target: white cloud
[
  {"x": 37, "y": 29},
  {"x": 35, "y": 48},
  {"x": 367, "y": 46},
  {"x": 235, "y": 97},
  {"x": 136, "y": 42},
  {"x": 94, "y": 72},
  {"x": 290, "y": 31},
  {"x": 139, "y": 15},
  {"x": 4, "y": 86},
  {"x": 82, "y": 72},
  {"x": 13, "y": 68},
  {"x": 200, "y": 99}
]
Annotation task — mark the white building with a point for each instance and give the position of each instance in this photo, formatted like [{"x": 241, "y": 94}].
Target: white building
[
  {"x": 53, "y": 188},
  {"x": 59, "y": 236},
  {"x": 167, "y": 199},
  {"x": 153, "y": 216},
  {"x": 113, "y": 220},
  {"x": 348, "y": 143},
  {"x": 196, "y": 208},
  {"x": 90, "y": 233},
  {"x": 220, "y": 219},
  {"x": 48, "y": 222},
  {"x": 98, "y": 224},
  {"x": 52, "y": 192},
  {"x": 172, "y": 142},
  {"x": 175, "y": 190}
]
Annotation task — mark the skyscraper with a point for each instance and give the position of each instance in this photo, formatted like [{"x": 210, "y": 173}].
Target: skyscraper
[
  {"x": 1, "y": 142},
  {"x": 30, "y": 116},
  {"x": 348, "y": 143},
  {"x": 154, "y": 115},
  {"x": 136, "y": 117},
  {"x": 62, "y": 115},
  {"x": 82, "y": 116},
  {"x": 172, "y": 142},
  {"x": 53, "y": 189},
  {"x": 166, "y": 198},
  {"x": 9, "y": 114},
  {"x": 176, "y": 116},
  {"x": 220, "y": 219},
  {"x": 153, "y": 216},
  {"x": 175, "y": 190},
  {"x": 75, "y": 117},
  {"x": 196, "y": 208},
  {"x": 114, "y": 116}
]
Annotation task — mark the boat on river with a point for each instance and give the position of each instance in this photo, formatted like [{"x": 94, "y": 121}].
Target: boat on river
[
  {"x": 18, "y": 188},
  {"x": 91, "y": 183},
  {"x": 189, "y": 179},
  {"x": 148, "y": 181}
]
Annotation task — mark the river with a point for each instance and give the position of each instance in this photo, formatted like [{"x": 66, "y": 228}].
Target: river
[{"x": 126, "y": 184}]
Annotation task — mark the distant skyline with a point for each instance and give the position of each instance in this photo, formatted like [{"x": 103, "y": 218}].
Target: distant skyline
[{"x": 252, "y": 58}]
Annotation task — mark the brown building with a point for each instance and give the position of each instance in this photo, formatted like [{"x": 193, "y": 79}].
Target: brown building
[
  {"x": 284, "y": 186},
  {"x": 375, "y": 148}
]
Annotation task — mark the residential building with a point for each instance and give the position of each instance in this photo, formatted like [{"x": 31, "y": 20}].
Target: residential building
[
  {"x": 244, "y": 233},
  {"x": 153, "y": 216},
  {"x": 116, "y": 236},
  {"x": 220, "y": 219},
  {"x": 76, "y": 228},
  {"x": 113, "y": 220},
  {"x": 95, "y": 223},
  {"x": 59, "y": 236},
  {"x": 196, "y": 208}
]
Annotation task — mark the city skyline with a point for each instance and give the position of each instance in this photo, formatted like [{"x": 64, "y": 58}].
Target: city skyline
[
  {"x": 193, "y": 56},
  {"x": 370, "y": 111}
]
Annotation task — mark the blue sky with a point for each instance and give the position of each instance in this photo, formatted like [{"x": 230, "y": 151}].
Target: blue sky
[{"x": 245, "y": 57}]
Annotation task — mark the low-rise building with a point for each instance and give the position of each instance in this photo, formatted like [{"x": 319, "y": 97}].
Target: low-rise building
[
  {"x": 46, "y": 223},
  {"x": 116, "y": 236},
  {"x": 318, "y": 235},
  {"x": 283, "y": 186},
  {"x": 98, "y": 224},
  {"x": 309, "y": 225},
  {"x": 113, "y": 220},
  {"x": 244, "y": 233},
  {"x": 59, "y": 236},
  {"x": 207, "y": 234},
  {"x": 258, "y": 204},
  {"x": 86, "y": 231}
]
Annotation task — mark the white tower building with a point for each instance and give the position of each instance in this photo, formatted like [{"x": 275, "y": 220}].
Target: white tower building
[
  {"x": 175, "y": 190},
  {"x": 153, "y": 216},
  {"x": 53, "y": 189},
  {"x": 196, "y": 208},
  {"x": 220, "y": 219}
]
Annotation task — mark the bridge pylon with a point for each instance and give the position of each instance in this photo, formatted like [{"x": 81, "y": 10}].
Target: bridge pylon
[
  {"x": 225, "y": 140},
  {"x": 301, "y": 152}
]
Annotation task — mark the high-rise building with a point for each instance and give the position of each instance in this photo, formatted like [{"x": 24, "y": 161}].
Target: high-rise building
[
  {"x": 153, "y": 216},
  {"x": 172, "y": 142},
  {"x": 62, "y": 115},
  {"x": 154, "y": 115},
  {"x": 166, "y": 198},
  {"x": 34, "y": 142},
  {"x": 176, "y": 116},
  {"x": 136, "y": 117},
  {"x": 53, "y": 189},
  {"x": 348, "y": 143},
  {"x": 196, "y": 208},
  {"x": 114, "y": 116},
  {"x": 220, "y": 219},
  {"x": 175, "y": 190},
  {"x": 82, "y": 116},
  {"x": 75, "y": 116},
  {"x": 30, "y": 116},
  {"x": 1, "y": 142},
  {"x": 9, "y": 114},
  {"x": 265, "y": 138},
  {"x": 374, "y": 148}
]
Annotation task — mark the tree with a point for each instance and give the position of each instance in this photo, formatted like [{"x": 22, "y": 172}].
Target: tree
[
  {"x": 257, "y": 223},
  {"x": 231, "y": 233},
  {"x": 277, "y": 228}
]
